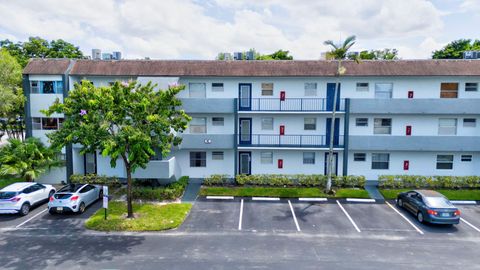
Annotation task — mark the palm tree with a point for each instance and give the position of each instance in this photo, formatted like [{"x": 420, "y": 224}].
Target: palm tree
[
  {"x": 27, "y": 160},
  {"x": 338, "y": 52}
]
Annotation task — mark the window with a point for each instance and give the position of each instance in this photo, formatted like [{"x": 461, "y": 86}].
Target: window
[
  {"x": 444, "y": 162},
  {"x": 310, "y": 89},
  {"x": 217, "y": 155},
  {"x": 197, "y": 90},
  {"x": 380, "y": 161},
  {"x": 267, "y": 89},
  {"x": 36, "y": 123},
  {"x": 266, "y": 157},
  {"x": 447, "y": 126},
  {"x": 362, "y": 87},
  {"x": 469, "y": 122},
  {"x": 59, "y": 87},
  {"x": 310, "y": 123},
  {"x": 60, "y": 122},
  {"x": 383, "y": 90},
  {"x": 217, "y": 87},
  {"x": 47, "y": 88},
  {"x": 308, "y": 157},
  {"x": 471, "y": 87},
  {"x": 218, "y": 121},
  {"x": 49, "y": 123},
  {"x": 466, "y": 158},
  {"x": 361, "y": 122},
  {"x": 198, "y": 159},
  {"x": 359, "y": 157},
  {"x": 449, "y": 90},
  {"x": 382, "y": 126},
  {"x": 158, "y": 154},
  {"x": 90, "y": 163},
  {"x": 198, "y": 125},
  {"x": 34, "y": 87},
  {"x": 267, "y": 123}
]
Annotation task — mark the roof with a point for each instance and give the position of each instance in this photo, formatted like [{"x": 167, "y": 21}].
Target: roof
[
  {"x": 429, "y": 193},
  {"x": 17, "y": 186},
  {"x": 310, "y": 68}
]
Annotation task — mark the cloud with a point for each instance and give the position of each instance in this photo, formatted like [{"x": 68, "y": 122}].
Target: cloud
[{"x": 195, "y": 29}]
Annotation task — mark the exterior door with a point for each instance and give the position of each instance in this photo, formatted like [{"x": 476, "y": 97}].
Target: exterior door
[
  {"x": 245, "y": 131},
  {"x": 336, "y": 131},
  {"x": 245, "y": 166},
  {"x": 245, "y": 96},
  {"x": 90, "y": 163},
  {"x": 334, "y": 164},
  {"x": 331, "y": 96}
]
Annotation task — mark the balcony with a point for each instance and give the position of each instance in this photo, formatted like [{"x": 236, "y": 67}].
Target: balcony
[
  {"x": 437, "y": 106},
  {"x": 157, "y": 169},
  {"x": 307, "y": 141},
  {"x": 208, "y": 105},
  {"x": 289, "y": 105},
  {"x": 415, "y": 143}
]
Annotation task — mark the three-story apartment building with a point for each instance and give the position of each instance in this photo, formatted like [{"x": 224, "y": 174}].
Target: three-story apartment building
[{"x": 274, "y": 117}]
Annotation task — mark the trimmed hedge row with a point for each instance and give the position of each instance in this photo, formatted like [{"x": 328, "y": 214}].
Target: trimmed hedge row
[
  {"x": 280, "y": 180},
  {"x": 94, "y": 180},
  {"x": 170, "y": 192},
  {"x": 420, "y": 181}
]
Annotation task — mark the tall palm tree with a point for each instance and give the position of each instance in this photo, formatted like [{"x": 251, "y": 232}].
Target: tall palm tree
[
  {"x": 338, "y": 52},
  {"x": 27, "y": 160}
]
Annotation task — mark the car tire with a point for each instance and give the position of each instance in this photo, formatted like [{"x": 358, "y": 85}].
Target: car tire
[
  {"x": 81, "y": 208},
  {"x": 25, "y": 209},
  {"x": 51, "y": 211},
  {"x": 400, "y": 203},
  {"x": 420, "y": 217}
]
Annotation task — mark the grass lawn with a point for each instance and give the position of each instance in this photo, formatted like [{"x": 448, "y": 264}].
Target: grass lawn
[
  {"x": 451, "y": 194},
  {"x": 288, "y": 192},
  {"x": 6, "y": 180},
  {"x": 150, "y": 217}
]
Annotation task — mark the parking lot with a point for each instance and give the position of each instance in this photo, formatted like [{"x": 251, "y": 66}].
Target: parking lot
[{"x": 333, "y": 217}]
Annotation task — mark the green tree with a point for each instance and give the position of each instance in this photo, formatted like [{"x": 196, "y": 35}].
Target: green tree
[
  {"x": 338, "y": 52},
  {"x": 385, "y": 54},
  {"x": 37, "y": 47},
  {"x": 28, "y": 159},
  {"x": 126, "y": 122},
  {"x": 278, "y": 55},
  {"x": 11, "y": 96},
  {"x": 455, "y": 49}
]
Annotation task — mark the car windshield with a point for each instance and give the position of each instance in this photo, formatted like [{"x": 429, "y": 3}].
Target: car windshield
[
  {"x": 70, "y": 188},
  {"x": 5, "y": 195},
  {"x": 437, "y": 202}
]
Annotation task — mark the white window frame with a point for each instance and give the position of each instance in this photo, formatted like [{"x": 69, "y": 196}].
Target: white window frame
[
  {"x": 446, "y": 127},
  {"x": 471, "y": 87},
  {"x": 362, "y": 87},
  {"x": 310, "y": 89},
  {"x": 469, "y": 122},
  {"x": 383, "y": 93},
  {"x": 264, "y": 123},
  {"x": 266, "y": 157},
  {"x": 382, "y": 130},
  {"x": 466, "y": 158},
  {"x": 35, "y": 89},
  {"x": 380, "y": 158},
  {"x": 218, "y": 87},
  {"x": 197, "y": 128},
  {"x": 217, "y": 122},
  {"x": 266, "y": 91},
  {"x": 445, "y": 159},
  {"x": 360, "y": 120},
  {"x": 218, "y": 155},
  {"x": 311, "y": 126},
  {"x": 360, "y": 157},
  {"x": 195, "y": 92},
  {"x": 310, "y": 160},
  {"x": 203, "y": 162}
]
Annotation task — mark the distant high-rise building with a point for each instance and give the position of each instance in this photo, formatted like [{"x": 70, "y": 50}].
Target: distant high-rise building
[
  {"x": 117, "y": 55},
  {"x": 107, "y": 56},
  {"x": 96, "y": 54}
]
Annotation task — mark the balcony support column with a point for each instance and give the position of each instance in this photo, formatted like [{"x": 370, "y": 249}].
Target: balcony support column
[{"x": 345, "y": 136}]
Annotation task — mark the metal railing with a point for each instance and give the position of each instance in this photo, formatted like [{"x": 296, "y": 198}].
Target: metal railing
[
  {"x": 289, "y": 104},
  {"x": 266, "y": 140}
]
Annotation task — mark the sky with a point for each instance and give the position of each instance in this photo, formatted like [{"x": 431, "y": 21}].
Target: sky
[{"x": 200, "y": 29}]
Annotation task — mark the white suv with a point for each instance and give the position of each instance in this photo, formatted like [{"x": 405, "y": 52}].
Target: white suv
[{"x": 20, "y": 197}]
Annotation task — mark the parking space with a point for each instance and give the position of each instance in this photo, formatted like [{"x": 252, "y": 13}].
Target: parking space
[
  {"x": 276, "y": 216},
  {"x": 208, "y": 215},
  {"x": 8, "y": 221}
]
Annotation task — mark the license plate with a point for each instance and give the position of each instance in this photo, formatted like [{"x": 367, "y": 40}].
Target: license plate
[
  {"x": 445, "y": 214},
  {"x": 60, "y": 209}
]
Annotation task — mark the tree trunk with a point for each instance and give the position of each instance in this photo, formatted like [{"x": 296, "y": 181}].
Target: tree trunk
[
  {"x": 328, "y": 188},
  {"x": 129, "y": 192}
]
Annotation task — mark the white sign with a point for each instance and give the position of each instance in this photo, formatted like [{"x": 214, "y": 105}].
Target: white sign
[{"x": 105, "y": 196}]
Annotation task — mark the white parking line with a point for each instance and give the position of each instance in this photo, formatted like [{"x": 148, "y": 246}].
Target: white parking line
[
  {"x": 312, "y": 199},
  {"x": 294, "y": 217},
  {"x": 23, "y": 223},
  {"x": 470, "y": 224},
  {"x": 348, "y": 216},
  {"x": 219, "y": 197},
  {"x": 404, "y": 217},
  {"x": 241, "y": 216},
  {"x": 265, "y": 199},
  {"x": 464, "y": 202},
  {"x": 360, "y": 200}
]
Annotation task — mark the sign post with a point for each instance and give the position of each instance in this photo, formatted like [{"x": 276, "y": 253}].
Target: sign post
[{"x": 105, "y": 200}]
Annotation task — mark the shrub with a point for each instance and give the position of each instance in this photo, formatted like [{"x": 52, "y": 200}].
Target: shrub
[
  {"x": 94, "y": 179},
  {"x": 313, "y": 180},
  {"x": 216, "y": 180},
  {"x": 170, "y": 192},
  {"x": 419, "y": 181}
]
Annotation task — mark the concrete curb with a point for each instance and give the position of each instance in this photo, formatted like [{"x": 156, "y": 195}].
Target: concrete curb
[{"x": 360, "y": 200}]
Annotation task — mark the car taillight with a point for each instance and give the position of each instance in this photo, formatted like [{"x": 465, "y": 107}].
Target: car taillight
[
  {"x": 52, "y": 199},
  {"x": 74, "y": 198},
  {"x": 15, "y": 199},
  {"x": 457, "y": 213},
  {"x": 432, "y": 212}
]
